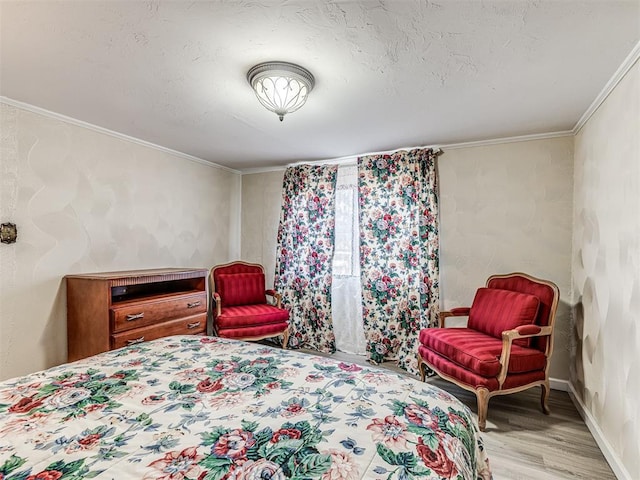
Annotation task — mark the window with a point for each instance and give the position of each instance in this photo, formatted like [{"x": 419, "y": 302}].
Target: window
[
  {"x": 346, "y": 293},
  {"x": 346, "y": 259}
]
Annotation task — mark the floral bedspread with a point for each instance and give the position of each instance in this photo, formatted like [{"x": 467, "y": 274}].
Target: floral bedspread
[{"x": 205, "y": 408}]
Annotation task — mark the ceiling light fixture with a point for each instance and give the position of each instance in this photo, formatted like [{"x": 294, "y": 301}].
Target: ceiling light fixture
[{"x": 281, "y": 87}]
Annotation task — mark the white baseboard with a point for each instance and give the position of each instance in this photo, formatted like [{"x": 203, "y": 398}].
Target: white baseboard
[
  {"x": 557, "y": 384},
  {"x": 609, "y": 454}
]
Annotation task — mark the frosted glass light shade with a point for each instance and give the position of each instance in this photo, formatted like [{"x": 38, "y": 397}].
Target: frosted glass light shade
[{"x": 281, "y": 87}]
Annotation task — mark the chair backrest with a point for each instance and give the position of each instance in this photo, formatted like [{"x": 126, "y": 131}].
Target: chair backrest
[
  {"x": 495, "y": 310},
  {"x": 238, "y": 283},
  {"x": 546, "y": 291}
]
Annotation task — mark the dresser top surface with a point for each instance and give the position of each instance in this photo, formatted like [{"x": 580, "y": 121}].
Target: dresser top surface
[{"x": 154, "y": 272}]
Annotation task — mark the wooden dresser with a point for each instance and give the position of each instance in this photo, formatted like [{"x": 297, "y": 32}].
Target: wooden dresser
[{"x": 110, "y": 310}]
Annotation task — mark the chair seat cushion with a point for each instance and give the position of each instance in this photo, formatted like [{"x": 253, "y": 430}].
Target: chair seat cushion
[
  {"x": 494, "y": 311},
  {"x": 246, "y": 333},
  {"x": 478, "y": 352},
  {"x": 250, "y": 316},
  {"x": 455, "y": 371}
]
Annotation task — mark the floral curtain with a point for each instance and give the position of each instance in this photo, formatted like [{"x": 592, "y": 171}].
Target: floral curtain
[
  {"x": 305, "y": 251},
  {"x": 398, "y": 252}
]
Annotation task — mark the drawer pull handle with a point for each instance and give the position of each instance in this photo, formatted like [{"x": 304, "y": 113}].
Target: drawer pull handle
[
  {"x": 193, "y": 304},
  {"x": 135, "y": 340},
  {"x": 135, "y": 316},
  {"x": 193, "y": 325}
]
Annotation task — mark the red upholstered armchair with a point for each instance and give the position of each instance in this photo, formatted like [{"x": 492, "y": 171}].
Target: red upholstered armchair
[
  {"x": 506, "y": 345},
  {"x": 240, "y": 308}
]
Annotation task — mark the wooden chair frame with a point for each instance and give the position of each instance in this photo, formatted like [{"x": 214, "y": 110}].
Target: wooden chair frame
[{"x": 483, "y": 394}]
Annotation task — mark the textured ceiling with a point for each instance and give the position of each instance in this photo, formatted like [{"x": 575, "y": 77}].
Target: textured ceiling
[{"x": 389, "y": 73}]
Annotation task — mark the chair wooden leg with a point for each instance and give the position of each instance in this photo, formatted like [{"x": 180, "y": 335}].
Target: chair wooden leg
[
  {"x": 482, "y": 395},
  {"x": 544, "y": 397},
  {"x": 421, "y": 368},
  {"x": 285, "y": 339}
]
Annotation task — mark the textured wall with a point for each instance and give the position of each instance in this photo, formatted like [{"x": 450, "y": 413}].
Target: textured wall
[
  {"x": 85, "y": 201},
  {"x": 261, "y": 202},
  {"x": 606, "y": 269},
  {"x": 504, "y": 208}
]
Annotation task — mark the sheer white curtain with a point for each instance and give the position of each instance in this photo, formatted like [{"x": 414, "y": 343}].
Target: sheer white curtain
[{"x": 346, "y": 296}]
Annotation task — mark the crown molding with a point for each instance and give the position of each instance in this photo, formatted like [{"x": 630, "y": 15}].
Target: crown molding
[
  {"x": 250, "y": 171},
  {"x": 622, "y": 70},
  {"x": 449, "y": 146},
  {"x": 498, "y": 141},
  {"x": 79, "y": 123}
]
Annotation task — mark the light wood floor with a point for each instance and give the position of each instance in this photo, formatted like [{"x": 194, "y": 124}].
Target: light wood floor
[{"x": 522, "y": 442}]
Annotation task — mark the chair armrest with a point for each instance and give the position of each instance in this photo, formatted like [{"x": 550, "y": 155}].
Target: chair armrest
[
  {"x": 454, "y": 312},
  {"x": 218, "y": 301},
  {"x": 526, "y": 331},
  {"x": 276, "y": 296},
  {"x": 508, "y": 336}
]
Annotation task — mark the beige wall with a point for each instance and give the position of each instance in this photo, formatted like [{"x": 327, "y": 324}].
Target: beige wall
[
  {"x": 606, "y": 269},
  {"x": 504, "y": 208},
  {"x": 85, "y": 201},
  {"x": 261, "y": 202}
]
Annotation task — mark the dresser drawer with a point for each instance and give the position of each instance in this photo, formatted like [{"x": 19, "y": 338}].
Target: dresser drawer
[
  {"x": 192, "y": 325},
  {"x": 136, "y": 314}
]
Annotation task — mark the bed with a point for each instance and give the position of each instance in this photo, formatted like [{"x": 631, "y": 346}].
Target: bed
[{"x": 206, "y": 408}]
